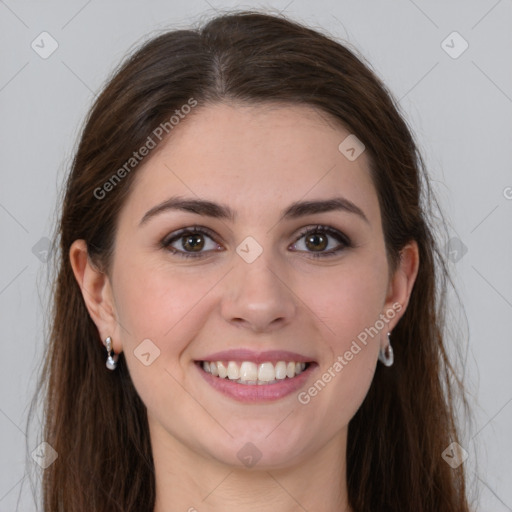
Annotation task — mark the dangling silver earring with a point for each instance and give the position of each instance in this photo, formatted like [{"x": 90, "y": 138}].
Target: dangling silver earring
[
  {"x": 111, "y": 359},
  {"x": 386, "y": 354}
]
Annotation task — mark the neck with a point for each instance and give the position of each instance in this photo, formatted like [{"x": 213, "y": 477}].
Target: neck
[{"x": 187, "y": 481}]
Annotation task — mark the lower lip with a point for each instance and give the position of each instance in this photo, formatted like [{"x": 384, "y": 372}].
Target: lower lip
[{"x": 257, "y": 392}]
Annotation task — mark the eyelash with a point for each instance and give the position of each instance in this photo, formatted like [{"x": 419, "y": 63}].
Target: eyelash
[{"x": 194, "y": 230}]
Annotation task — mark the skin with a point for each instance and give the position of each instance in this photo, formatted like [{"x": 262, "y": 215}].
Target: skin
[{"x": 257, "y": 160}]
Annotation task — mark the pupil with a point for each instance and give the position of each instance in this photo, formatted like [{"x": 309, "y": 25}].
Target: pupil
[
  {"x": 193, "y": 243},
  {"x": 317, "y": 241}
]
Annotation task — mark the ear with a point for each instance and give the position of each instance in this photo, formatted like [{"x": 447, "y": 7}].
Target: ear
[
  {"x": 402, "y": 282},
  {"x": 96, "y": 291}
]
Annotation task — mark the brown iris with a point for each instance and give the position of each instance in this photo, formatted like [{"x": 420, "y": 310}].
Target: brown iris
[
  {"x": 193, "y": 243},
  {"x": 316, "y": 241}
]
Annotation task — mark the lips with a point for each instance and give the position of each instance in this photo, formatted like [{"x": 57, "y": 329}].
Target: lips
[
  {"x": 252, "y": 373},
  {"x": 271, "y": 356},
  {"x": 250, "y": 376}
]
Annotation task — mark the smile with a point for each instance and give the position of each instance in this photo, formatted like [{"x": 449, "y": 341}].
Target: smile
[
  {"x": 251, "y": 382},
  {"x": 250, "y": 373}
]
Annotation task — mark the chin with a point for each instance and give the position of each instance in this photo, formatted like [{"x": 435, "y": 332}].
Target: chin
[{"x": 258, "y": 452}]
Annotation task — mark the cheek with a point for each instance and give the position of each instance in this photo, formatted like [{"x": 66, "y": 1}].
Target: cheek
[
  {"x": 163, "y": 307},
  {"x": 169, "y": 308},
  {"x": 349, "y": 303},
  {"x": 152, "y": 301},
  {"x": 348, "y": 300}
]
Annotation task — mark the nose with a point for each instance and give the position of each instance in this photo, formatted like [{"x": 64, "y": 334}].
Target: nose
[{"x": 258, "y": 296}]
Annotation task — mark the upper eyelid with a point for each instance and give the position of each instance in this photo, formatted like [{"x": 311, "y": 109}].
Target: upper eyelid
[
  {"x": 320, "y": 227},
  {"x": 190, "y": 229},
  {"x": 331, "y": 231}
]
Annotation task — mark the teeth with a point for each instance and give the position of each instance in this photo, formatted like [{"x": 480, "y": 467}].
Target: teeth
[
  {"x": 233, "y": 371},
  {"x": 281, "y": 370},
  {"x": 266, "y": 372},
  {"x": 254, "y": 374},
  {"x": 248, "y": 371},
  {"x": 222, "y": 370}
]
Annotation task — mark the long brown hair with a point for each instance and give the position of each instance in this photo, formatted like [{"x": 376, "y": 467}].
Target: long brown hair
[{"x": 94, "y": 418}]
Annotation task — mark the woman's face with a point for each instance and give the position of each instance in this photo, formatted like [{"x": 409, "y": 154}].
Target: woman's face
[{"x": 251, "y": 234}]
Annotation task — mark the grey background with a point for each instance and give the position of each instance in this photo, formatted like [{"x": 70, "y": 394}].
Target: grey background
[{"x": 459, "y": 108}]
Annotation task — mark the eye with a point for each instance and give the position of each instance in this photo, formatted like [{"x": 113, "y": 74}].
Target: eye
[
  {"x": 319, "y": 238},
  {"x": 194, "y": 242},
  {"x": 190, "y": 242}
]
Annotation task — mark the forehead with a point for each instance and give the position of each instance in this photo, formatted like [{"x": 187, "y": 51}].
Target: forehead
[{"x": 255, "y": 157}]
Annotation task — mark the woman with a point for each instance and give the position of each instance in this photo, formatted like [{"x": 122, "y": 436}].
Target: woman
[{"x": 243, "y": 239}]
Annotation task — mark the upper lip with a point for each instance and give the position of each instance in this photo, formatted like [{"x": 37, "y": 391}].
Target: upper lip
[{"x": 241, "y": 355}]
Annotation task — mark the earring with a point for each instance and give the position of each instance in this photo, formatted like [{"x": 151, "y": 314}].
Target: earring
[
  {"x": 386, "y": 354},
  {"x": 111, "y": 359}
]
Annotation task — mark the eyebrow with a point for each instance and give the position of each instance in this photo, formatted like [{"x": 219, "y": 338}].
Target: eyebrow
[{"x": 224, "y": 212}]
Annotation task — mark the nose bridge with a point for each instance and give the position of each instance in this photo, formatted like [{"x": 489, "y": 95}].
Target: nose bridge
[{"x": 258, "y": 295}]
